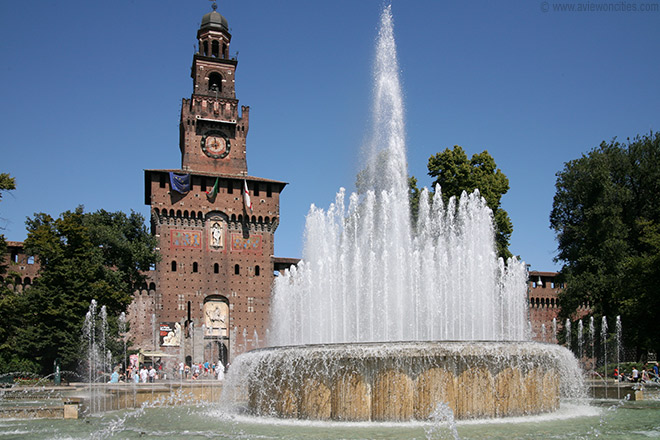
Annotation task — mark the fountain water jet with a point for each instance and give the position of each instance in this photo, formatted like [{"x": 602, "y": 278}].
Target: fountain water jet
[{"x": 357, "y": 322}]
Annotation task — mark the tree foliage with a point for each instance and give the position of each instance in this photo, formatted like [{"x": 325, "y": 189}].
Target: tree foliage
[
  {"x": 455, "y": 173},
  {"x": 7, "y": 183},
  {"x": 83, "y": 256},
  {"x": 606, "y": 216}
]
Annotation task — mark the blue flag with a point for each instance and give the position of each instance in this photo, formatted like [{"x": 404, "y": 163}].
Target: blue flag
[{"x": 180, "y": 182}]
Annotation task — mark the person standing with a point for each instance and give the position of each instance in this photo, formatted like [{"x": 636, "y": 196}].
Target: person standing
[
  {"x": 144, "y": 374},
  {"x": 152, "y": 374},
  {"x": 635, "y": 374}
]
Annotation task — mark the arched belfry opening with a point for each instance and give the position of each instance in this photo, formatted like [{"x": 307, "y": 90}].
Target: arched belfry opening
[{"x": 215, "y": 82}]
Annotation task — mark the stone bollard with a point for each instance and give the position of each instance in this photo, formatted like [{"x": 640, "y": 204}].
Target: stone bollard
[{"x": 72, "y": 407}]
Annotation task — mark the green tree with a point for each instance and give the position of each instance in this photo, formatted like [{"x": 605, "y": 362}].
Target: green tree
[
  {"x": 606, "y": 216},
  {"x": 455, "y": 173},
  {"x": 83, "y": 256},
  {"x": 12, "y": 304},
  {"x": 7, "y": 183}
]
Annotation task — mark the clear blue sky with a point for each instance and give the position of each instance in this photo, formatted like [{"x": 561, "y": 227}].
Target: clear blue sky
[{"x": 91, "y": 93}]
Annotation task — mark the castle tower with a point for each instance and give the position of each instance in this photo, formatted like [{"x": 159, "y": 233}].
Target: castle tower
[
  {"x": 209, "y": 297},
  {"x": 212, "y": 130}
]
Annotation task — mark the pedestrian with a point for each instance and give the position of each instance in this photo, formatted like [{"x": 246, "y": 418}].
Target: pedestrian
[
  {"x": 152, "y": 374},
  {"x": 144, "y": 374},
  {"x": 635, "y": 374}
]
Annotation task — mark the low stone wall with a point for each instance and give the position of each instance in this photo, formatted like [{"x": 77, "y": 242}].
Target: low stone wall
[
  {"x": 80, "y": 398},
  {"x": 28, "y": 412}
]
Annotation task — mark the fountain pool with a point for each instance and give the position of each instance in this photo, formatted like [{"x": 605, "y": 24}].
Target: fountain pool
[{"x": 626, "y": 420}]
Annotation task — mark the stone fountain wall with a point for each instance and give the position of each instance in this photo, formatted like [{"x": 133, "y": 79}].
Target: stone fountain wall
[{"x": 404, "y": 381}]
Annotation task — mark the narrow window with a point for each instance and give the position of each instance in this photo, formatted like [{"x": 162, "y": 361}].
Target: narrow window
[
  {"x": 202, "y": 186},
  {"x": 163, "y": 180},
  {"x": 269, "y": 190},
  {"x": 230, "y": 187},
  {"x": 257, "y": 270},
  {"x": 30, "y": 259},
  {"x": 215, "y": 49},
  {"x": 195, "y": 267},
  {"x": 216, "y": 268},
  {"x": 173, "y": 266},
  {"x": 237, "y": 269},
  {"x": 256, "y": 189}
]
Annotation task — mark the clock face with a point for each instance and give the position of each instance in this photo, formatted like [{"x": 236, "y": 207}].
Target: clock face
[{"x": 215, "y": 145}]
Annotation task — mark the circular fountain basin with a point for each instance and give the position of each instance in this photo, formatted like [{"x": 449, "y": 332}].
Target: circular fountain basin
[{"x": 405, "y": 380}]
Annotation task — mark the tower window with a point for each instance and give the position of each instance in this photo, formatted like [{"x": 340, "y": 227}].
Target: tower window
[
  {"x": 215, "y": 82},
  {"x": 224, "y": 50},
  {"x": 216, "y": 268},
  {"x": 195, "y": 267},
  {"x": 269, "y": 190},
  {"x": 163, "y": 180},
  {"x": 230, "y": 187},
  {"x": 173, "y": 266},
  {"x": 205, "y": 46},
  {"x": 237, "y": 269},
  {"x": 215, "y": 49},
  {"x": 257, "y": 270},
  {"x": 256, "y": 189}
]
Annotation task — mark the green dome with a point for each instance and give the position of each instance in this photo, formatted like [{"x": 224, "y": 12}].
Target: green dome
[{"x": 213, "y": 20}]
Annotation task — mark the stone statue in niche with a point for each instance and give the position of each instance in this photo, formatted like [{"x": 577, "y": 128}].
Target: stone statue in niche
[{"x": 217, "y": 235}]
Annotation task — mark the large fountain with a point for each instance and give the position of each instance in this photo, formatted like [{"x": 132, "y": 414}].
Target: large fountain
[{"x": 356, "y": 326}]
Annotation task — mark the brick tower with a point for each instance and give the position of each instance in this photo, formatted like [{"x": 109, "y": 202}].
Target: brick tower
[{"x": 209, "y": 297}]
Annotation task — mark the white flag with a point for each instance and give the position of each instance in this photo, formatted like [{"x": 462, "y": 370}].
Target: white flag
[{"x": 246, "y": 196}]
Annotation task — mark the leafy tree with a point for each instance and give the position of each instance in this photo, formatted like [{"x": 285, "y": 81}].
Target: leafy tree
[
  {"x": 606, "y": 216},
  {"x": 455, "y": 173},
  {"x": 7, "y": 183},
  {"x": 83, "y": 256}
]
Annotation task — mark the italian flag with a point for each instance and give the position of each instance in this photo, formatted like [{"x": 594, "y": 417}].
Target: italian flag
[
  {"x": 213, "y": 191},
  {"x": 246, "y": 196}
]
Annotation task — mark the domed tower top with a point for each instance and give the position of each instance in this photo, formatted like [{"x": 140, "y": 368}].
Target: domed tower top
[
  {"x": 213, "y": 20},
  {"x": 213, "y": 35}
]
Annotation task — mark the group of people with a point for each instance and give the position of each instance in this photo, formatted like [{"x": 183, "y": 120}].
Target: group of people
[
  {"x": 151, "y": 373},
  {"x": 202, "y": 370},
  {"x": 137, "y": 375},
  {"x": 646, "y": 375}
]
